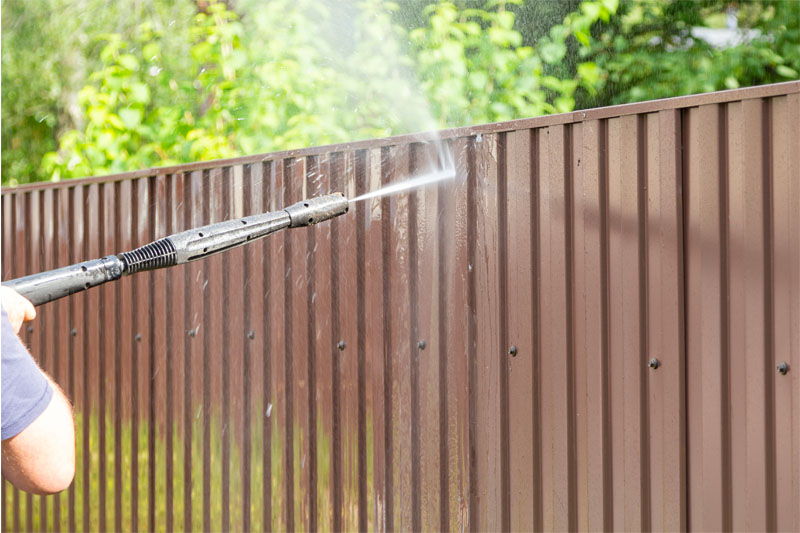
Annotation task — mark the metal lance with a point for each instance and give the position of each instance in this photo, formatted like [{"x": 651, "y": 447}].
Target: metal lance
[{"x": 176, "y": 249}]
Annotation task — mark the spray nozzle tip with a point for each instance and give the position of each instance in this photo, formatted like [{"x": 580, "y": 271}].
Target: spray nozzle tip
[{"x": 319, "y": 209}]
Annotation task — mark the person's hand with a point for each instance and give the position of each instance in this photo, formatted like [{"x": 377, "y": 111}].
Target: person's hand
[{"x": 18, "y": 308}]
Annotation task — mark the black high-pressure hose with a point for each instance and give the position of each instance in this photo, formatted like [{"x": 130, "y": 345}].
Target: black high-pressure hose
[{"x": 176, "y": 249}]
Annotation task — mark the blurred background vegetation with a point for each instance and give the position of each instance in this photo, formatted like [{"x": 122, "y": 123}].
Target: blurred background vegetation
[{"x": 95, "y": 87}]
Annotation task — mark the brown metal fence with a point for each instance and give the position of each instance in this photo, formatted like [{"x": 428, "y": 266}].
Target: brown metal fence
[{"x": 472, "y": 355}]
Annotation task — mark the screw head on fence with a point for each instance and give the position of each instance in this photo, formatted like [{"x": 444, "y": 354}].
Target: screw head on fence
[
  {"x": 513, "y": 350},
  {"x": 341, "y": 345},
  {"x": 421, "y": 344},
  {"x": 653, "y": 363},
  {"x": 783, "y": 368}
]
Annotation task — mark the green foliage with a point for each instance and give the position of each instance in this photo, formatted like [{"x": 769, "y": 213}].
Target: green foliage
[
  {"x": 49, "y": 49},
  {"x": 475, "y": 69},
  {"x": 278, "y": 90},
  {"x": 139, "y": 115},
  {"x": 156, "y": 82},
  {"x": 648, "y": 51}
]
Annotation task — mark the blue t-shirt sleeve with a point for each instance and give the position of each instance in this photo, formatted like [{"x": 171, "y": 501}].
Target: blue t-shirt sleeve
[{"x": 25, "y": 392}]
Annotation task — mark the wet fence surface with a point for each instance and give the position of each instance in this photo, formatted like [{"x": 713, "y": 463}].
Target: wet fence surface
[{"x": 475, "y": 355}]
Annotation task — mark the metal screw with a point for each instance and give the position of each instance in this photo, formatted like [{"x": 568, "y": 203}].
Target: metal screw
[
  {"x": 783, "y": 368},
  {"x": 74, "y": 332},
  {"x": 653, "y": 363},
  {"x": 251, "y": 335},
  {"x": 30, "y": 329},
  {"x": 341, "y": 345},
  {"x": 138, "y": 337},
  {"x": 421, "y": 344},
  {"x": 192, "y": 332},
  {"x": 513, "y": 350}
]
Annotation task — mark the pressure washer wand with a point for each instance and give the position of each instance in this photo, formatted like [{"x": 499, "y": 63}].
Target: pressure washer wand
[{"x": 176, "y": 249}]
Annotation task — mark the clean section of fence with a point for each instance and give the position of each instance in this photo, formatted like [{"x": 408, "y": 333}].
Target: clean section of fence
[{"x": 582, "y": 330}]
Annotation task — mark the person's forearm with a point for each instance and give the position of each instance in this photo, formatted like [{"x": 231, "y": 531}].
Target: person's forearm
[{"x": 41, "y": 458}]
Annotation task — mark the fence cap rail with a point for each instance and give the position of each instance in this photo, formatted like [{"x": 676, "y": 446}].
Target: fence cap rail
[{"x": 650, "y": 106}]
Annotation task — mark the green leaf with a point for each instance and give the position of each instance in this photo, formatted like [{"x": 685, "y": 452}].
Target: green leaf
[
  {"x": 731, "y": 82},
  {"x": 115, "y": 121},
  {"x": 129, "y": 62},
  {"x": 582, "y": 37},
  {"x": 130, "y": 117},
  {"x": 505, "y": 19},
  {"x": 786, "y": 72},
  {"x": 478, "y": 80},
  {"x": 139, "y": 93},
  {"x": 591, "y": 9},
  {"x": 564, "y": 104},
  {"x": 151, "y": 51},
  {"x": 589, "y": 73},
  {"x": 611, "y": 5},
  {"x": 553, "y": 52}
]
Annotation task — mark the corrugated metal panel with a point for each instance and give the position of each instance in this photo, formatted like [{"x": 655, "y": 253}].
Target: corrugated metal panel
[{"x": 473, "y": 355}]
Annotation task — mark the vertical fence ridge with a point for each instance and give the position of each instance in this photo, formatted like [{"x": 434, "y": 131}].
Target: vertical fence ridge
[
  {"x": 336, "y": 460},
  {"x": 536, "y": 327},
  {"x": 361, "y": 175},
  {"x": 724, "y": 274},
  {"x": 503, "y": 347},
  {"x": 225, "y": 417},
  {"x": 413, "y": 339},
  {"x": 266, "y": 363},
  {"x": 473, "y": 517},
  {"x": 569, "y": 280},
  {"x": 725, "y": 312},
  {"x": 644, "y": 341},
  {"x": 170, "y": 353},
  {"x": 206, "y": 334},
  {"x": 72, "y": 351},
  {"x": 187, "y": 368},
  {"x": 102, "y": 237},
  {"x": 289, "y": 364},
  {"x": 769, "y": 319},
  {"x": 117, "y": 387},
  {"x": 684, "y": 214},
  {"x": 152, "y": 381},
  {"x": 442, "y": 216},
  {"x": 605, "y": 287},
  {"x": 247, "y": 191},
  {"x": 387, "y": 350},
  {"x": 312, "y": 170}
]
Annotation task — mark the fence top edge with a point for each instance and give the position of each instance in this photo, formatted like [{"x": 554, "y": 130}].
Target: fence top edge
[{"x": 650, "y": 106}]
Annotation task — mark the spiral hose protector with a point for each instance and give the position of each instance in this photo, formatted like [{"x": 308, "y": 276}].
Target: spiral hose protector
[{"x": 158, "y": 254}]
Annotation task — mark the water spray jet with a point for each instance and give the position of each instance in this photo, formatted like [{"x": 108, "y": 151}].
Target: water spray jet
[{"x": 419, "y": 181}]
